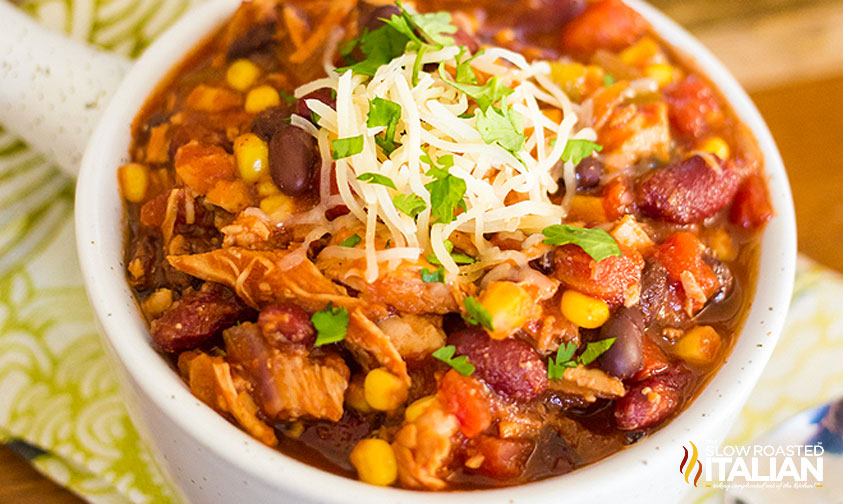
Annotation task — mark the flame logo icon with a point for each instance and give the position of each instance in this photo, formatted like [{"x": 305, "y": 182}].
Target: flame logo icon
[{"x": 686, "y": 467}]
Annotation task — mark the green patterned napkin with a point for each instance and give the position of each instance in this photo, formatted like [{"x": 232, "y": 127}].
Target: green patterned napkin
[{"x": 59, "y": 401}]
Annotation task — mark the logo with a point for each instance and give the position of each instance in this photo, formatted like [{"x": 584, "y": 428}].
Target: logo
[{"x": 686, "y": 467}]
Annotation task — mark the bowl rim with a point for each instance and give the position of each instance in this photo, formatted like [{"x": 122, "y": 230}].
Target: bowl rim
[{"x": 100, "y": 240}]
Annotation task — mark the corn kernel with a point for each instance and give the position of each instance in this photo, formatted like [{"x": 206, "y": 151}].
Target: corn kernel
[
  {"x": 260, "y": 98},
  {"x": 134, "y": 181},
  {"x": 640, "y": 53},
  {"x": 280, "y": 203},
  {"x": 157, "y": 302},
  {"x": 266, "y": 187},
  {"x": 383, "y": 390},
  {"x": 563, "y": 73},
  {"x": 355, "y": 397},
  {"x": 375, "y": 462},
  {"x": 509, "y": 305},
  {"x": 716, "y": 146},
  {"x": 417, "y": 407},
  {"x": 584, "y": 311},
  {"x": 252, "y": 156},
  {"x": 661, "y": 73},
  {"x": 698, "y": 346},
  {"x": 242, "y": 74}
]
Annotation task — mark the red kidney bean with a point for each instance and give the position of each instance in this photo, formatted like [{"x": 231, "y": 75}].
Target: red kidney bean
[
  {"x": 503, "y": 459},
  {"x": 510, "y": 367},
  {"x": 651, "y": 401},
  {"x": 197, "y": 317},
  {"x": 270, "y": 120},
  {"x": 284, "y": 323},
  {"x": 463, "y": 38},
  {"x": 292, "y": 159},
  {"x": 324, "y": 95},
  {"x": 625, "y": 357},
  {"x": 375, "y": 19},
  {"x": 688, "y": 191},
  {"x": 254, "y": 39},
  {"x": 589, "y": 172},
  {"x": 549, "y": 15}
]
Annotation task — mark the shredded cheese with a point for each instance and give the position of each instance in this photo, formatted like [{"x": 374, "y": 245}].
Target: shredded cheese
[{"x": 434, "y": 119}]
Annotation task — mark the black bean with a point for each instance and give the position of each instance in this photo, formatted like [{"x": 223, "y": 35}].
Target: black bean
[
  {"x": 625, "y": 357},
  {"x": 269, "y": 120},
  {"x": 725, "y": 278},
  {"x": 589, "y": 172},
  {"x": 544, "y": 264},
  {"x": 254, "y": 39},
  {"x": 292, "y": 159}
]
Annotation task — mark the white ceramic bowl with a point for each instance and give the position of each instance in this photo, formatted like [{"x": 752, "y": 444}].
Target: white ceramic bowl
[{"x": 212, "y": 461}]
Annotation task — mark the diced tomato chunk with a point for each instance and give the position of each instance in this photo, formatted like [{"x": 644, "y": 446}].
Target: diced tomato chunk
[
  {"x": 201, "y": 166},
  {"x": 466, "y": 398},
  {"x": 693, "y": 106},
  {"x": 751, "y": 208},
  {"x": 610, "y": 279},
  {"x": 606, "y": 24},
  {"x": 682, "y": 252},
  {"x": 618, "y": 199},
  {"x": 654, "y": 361}
]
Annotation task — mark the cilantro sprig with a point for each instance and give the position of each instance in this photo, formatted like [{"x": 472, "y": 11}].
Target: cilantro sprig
[
  {"x": 351, "y": 241},
  {"x": 476, "y": 314},
  {"x": 596, "y": 242},
  {"x": 504, "y": 127},
  {"x": 387, "y": 113},
  {"x": 565, "y": 357},
  {"x": 447, "y": 192},
  {"x": 409, "y": 204},
  {"x": 458, "y": 257},
  {"x": 486, "y": 95},
  {"x": 331, "y": 324},
  {"x": 347, "y": 147},
  {"x": 578, "y": 149},
  {"x": 460, "y": 364},
  {"x": 376, "y": 178},
  {"x": 437, "y": 276}
]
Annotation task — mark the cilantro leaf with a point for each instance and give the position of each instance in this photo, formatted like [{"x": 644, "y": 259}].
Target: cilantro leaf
[
  {"x": 380, "y": 46},
  {"x": 434, "y": 26},
  {"x": 486, "y": 95},
  {"x": 446, "y": 195},
  {"x": 594, "y": 350},
  {"x": 505, "y": 127},
  {"x": 287, "y": 97},
  {"x": 409, "y": 204},
  {"x": 386, "y": 113},
  {"x": 476, "y": 314},
  {"x": 331, "y": 324},
  {"x": 447, "y": 192},
  {"x": 608, "y": 79},
  {"x": 460, "y": 364},
  {"x": 595, "y": 242},
  {"x": 351, "y": 241},
  {"x": 347, "y": 147},
  {"x": 376, "y": 178},
  {"x": 564, "y": 359},
  {"x": 579, "y": 149},
  {"x": 428, "y": 276},
  {"x": 465, "y": 74},
  {"x": 458, "y": 258}
]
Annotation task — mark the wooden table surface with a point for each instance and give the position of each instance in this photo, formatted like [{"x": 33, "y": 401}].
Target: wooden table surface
[{"x": 804, "y": 114}]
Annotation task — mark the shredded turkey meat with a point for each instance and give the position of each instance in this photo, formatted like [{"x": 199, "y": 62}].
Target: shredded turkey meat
[{"x": 423, "y": 448}]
